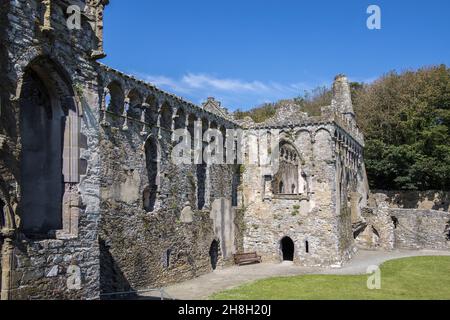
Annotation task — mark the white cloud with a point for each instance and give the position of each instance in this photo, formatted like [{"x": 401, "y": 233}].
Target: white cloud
[{"x": 234, "y": 93}]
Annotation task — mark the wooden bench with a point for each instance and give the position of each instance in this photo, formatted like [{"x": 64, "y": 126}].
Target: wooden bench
[{"x": 246, "y": 258}]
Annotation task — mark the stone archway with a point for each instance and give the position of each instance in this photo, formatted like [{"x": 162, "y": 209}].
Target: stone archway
[
  {"x": 214, "y": 254},
  {"x": 287, "y": 249}
]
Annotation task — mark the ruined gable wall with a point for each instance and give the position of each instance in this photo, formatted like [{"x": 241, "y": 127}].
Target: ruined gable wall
[
  {"x": 316, "y": 218},
  {"x": 41, "y": 266}
]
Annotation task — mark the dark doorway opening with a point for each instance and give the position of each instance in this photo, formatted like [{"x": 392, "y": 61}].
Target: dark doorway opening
[
  {"x": 287, "y": 247},
  {"x": 214, "y": 254}
]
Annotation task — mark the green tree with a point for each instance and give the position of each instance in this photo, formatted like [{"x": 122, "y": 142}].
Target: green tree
[{"x": 406, "y": 117}]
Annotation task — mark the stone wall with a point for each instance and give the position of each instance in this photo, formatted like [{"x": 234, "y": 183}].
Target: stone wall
[
  {"x": 170, "y": 242},
  {"x": 318, "y": 217},
  {"x": 377, "y": 231},
  {"x": 421, "y": 229},
  {"x": 34, "y": 40},
  {"x": 423, "y": 200},
  {"x": 389, "y": 228}
]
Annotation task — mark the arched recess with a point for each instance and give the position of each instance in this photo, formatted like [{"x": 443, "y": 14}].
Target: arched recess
[
  {"x": 135, "y": 104},
  {"x": 151, "y": 114},
  {"x": 152, "y": 156},
  {"x": 191, "y": 129},
  {"x": 166, "y": 117},
  {"x": 202, "y": 171},
  {"x": 114, "y": 101},
  {"x": 49, "y": 161},
  {"x": 290, "y": 178},
  {"x": 323, "y": 146},
  {"x": 180, "y": 119},
  {"x": 223, "y": 132}
]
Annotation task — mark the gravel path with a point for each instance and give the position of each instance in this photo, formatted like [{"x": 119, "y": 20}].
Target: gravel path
[{"x": 228, "y": 278}]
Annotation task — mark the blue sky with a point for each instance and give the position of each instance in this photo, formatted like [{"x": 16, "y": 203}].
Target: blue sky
[{"x": 247, "y": 52}]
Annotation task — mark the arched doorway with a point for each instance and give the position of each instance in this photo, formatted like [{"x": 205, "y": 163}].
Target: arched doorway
[
  {"x": 287, "y": 249},
  {"x": 214, "y": 254}
]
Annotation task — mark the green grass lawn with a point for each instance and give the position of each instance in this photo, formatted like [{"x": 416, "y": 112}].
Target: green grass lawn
[{"x": 411, "y": 278}]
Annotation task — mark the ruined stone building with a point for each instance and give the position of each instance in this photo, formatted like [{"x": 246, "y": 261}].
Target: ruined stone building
[{"x": 92, "y": 203}]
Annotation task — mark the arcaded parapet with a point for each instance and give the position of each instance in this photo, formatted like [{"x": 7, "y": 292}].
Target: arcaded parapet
[{"x": 162, "y": 222}]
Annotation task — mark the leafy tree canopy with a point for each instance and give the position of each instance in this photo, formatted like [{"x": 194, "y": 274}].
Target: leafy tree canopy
[
  {"x": 406, "y": 121},
  {"x": 405, "y": 118}
]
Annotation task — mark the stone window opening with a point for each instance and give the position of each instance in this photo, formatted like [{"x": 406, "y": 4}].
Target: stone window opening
[
  {"x": 287, "y": 249},
  {"x": 167, "y": 261},
  {"x": 235, "y": 186},
  {"x": 135, "y": 104},
  {"x": 202, "y": 173},
  {"x": 191, "y": 129},
  {"x": 201, "y": 186},
  {"x": 114, "y": 104},
  {"x": 290, "y": 178},
  {"x": 166, "y": 117},
  {"x": 180, "y": 124},
  {"x": 307, "y": 246},
  {"x": 50, "y": 156},
  {"x": 152, "y": 156},
  {"x": 151, "y": 114},
  {"x": 223, "y": 132},
  {"x": 214, "y": 254}
]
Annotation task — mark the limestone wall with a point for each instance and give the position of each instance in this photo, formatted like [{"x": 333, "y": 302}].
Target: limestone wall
[
  {"x": 171, "y": 242},
  {"x": 423, "y": 200},
  {"x": 421, "y": 229}
]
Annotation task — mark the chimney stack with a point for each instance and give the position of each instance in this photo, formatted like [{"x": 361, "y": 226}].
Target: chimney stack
[{"x": 342, "y": 99}]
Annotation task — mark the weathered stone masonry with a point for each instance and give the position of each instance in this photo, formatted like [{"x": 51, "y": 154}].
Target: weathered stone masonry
[
  {"x": 114, "y": 214},
  {"x": 92, "y": 203},
  {"x": 309, "y": 200},
  {"x": 169, "y": 238}
]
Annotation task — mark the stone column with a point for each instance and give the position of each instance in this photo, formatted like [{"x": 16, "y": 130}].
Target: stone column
[
  {"x": 158, "y": 122},
  {"x": 7, "y": 232},
  {"x": 172, "y": 125},
  {"x": 145, "y": 108},
  {"x": 125, "y": 114},
  {"x": 104, "y": 108},
  {"x": 7, "y": 268}
]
